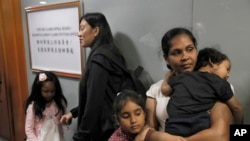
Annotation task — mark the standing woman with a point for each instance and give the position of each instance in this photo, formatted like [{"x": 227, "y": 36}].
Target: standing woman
[
  {"x": 180, "y": 53},
  {"x": 99, "y": 84}
]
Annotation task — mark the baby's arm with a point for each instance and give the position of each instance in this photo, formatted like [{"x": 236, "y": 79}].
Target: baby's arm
[
  {"x": 236, "y": 109},
  {"x": 165, "y": 88}
]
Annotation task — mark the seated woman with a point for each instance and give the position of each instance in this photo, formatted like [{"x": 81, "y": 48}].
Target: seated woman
[{"x": 180, "y": 53}]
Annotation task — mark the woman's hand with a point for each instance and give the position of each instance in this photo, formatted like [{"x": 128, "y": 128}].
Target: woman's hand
[
  {"x": 142, "y": 135},
  {"x": 66, "y": 118},
  {"x": 153, "y": 135}
]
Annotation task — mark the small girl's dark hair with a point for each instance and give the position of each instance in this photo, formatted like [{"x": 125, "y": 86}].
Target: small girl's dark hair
[
  {"x": 125, "y": 95},
  {"x": 36, "y": 95},
  {"x": 208, "y": 55}
]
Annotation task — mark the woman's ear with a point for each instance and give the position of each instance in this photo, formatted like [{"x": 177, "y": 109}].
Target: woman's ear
[
  {"x": 165, "y": 57},
  {"x": 97, "y": 30},
  {"x": 166, "y": 60}
]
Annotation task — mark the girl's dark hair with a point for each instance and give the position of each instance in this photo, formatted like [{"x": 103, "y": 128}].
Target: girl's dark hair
[
  {"x": 99, "y": 20},
  {"x": 36, "y": 95},
  {"x": 172, "y": 33},
  {"x": 126, "y": 95},
  {"x": 208, "y": 55}
]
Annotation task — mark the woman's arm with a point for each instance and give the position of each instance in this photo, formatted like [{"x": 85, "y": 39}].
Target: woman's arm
[
  {"x": 94, "y": 101},
  {"x": 237, "y": 110},
  {"x": 151, "y": 112},
  {"x": 153, "y": 135},
  {"x": 221, "y": 118}
]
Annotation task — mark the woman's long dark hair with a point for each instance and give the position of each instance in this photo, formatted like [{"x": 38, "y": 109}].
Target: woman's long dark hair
[
  {"x": 36, "y": 95},
  {"x": 105, "y": 36},
  {"x": 99, "y": 20}
]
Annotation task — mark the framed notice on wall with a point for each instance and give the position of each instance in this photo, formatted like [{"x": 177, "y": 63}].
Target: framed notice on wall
[{"x": 53, "y": 41}]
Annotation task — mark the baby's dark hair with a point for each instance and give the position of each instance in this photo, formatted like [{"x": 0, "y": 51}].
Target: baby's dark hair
[
  {"x": 208, "y": 55},
  {"x": 126, "y": 95},
  {"x": 36, "y": 95}
]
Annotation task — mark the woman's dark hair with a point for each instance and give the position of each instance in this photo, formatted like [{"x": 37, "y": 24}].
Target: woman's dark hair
[
  {"x": 36, "y": 95},
  {"x": 208, "y": 55},
  {"x": 172, "y": 33},
  {"x": 169, "y": 35},
  {"x": 99, "y": 20},
  {"x": 105, "y": 36},
  {"x": 126, "y": 95}
]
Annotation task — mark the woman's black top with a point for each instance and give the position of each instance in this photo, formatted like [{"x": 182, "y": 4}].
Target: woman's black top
[{"x": 97, "y": 91}]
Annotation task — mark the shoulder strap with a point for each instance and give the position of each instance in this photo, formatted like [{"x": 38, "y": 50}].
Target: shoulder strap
[{"x": 107, "y": 53}]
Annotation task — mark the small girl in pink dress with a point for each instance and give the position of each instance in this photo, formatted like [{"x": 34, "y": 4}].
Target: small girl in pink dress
[{"x": 44, "y": 107}]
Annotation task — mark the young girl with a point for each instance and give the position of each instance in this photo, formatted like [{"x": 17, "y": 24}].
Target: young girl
[
  {"x": 129, "y": 110},
  {"x": 44, "y": 107}
]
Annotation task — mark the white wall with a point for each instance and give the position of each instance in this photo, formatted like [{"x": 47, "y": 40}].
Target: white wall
[
  {"x": 138, "y": 26},
  {"x": 69, "y": 85}
]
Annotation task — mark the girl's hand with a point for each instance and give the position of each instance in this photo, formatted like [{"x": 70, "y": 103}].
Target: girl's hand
[
  {"x": 141, "y": 136},
  {"x": 66, "y": 118}
]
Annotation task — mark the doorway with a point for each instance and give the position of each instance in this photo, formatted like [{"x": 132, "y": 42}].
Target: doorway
[
  {"x": 5, "y": 130},
  {"x": 13, "y": 74}
]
